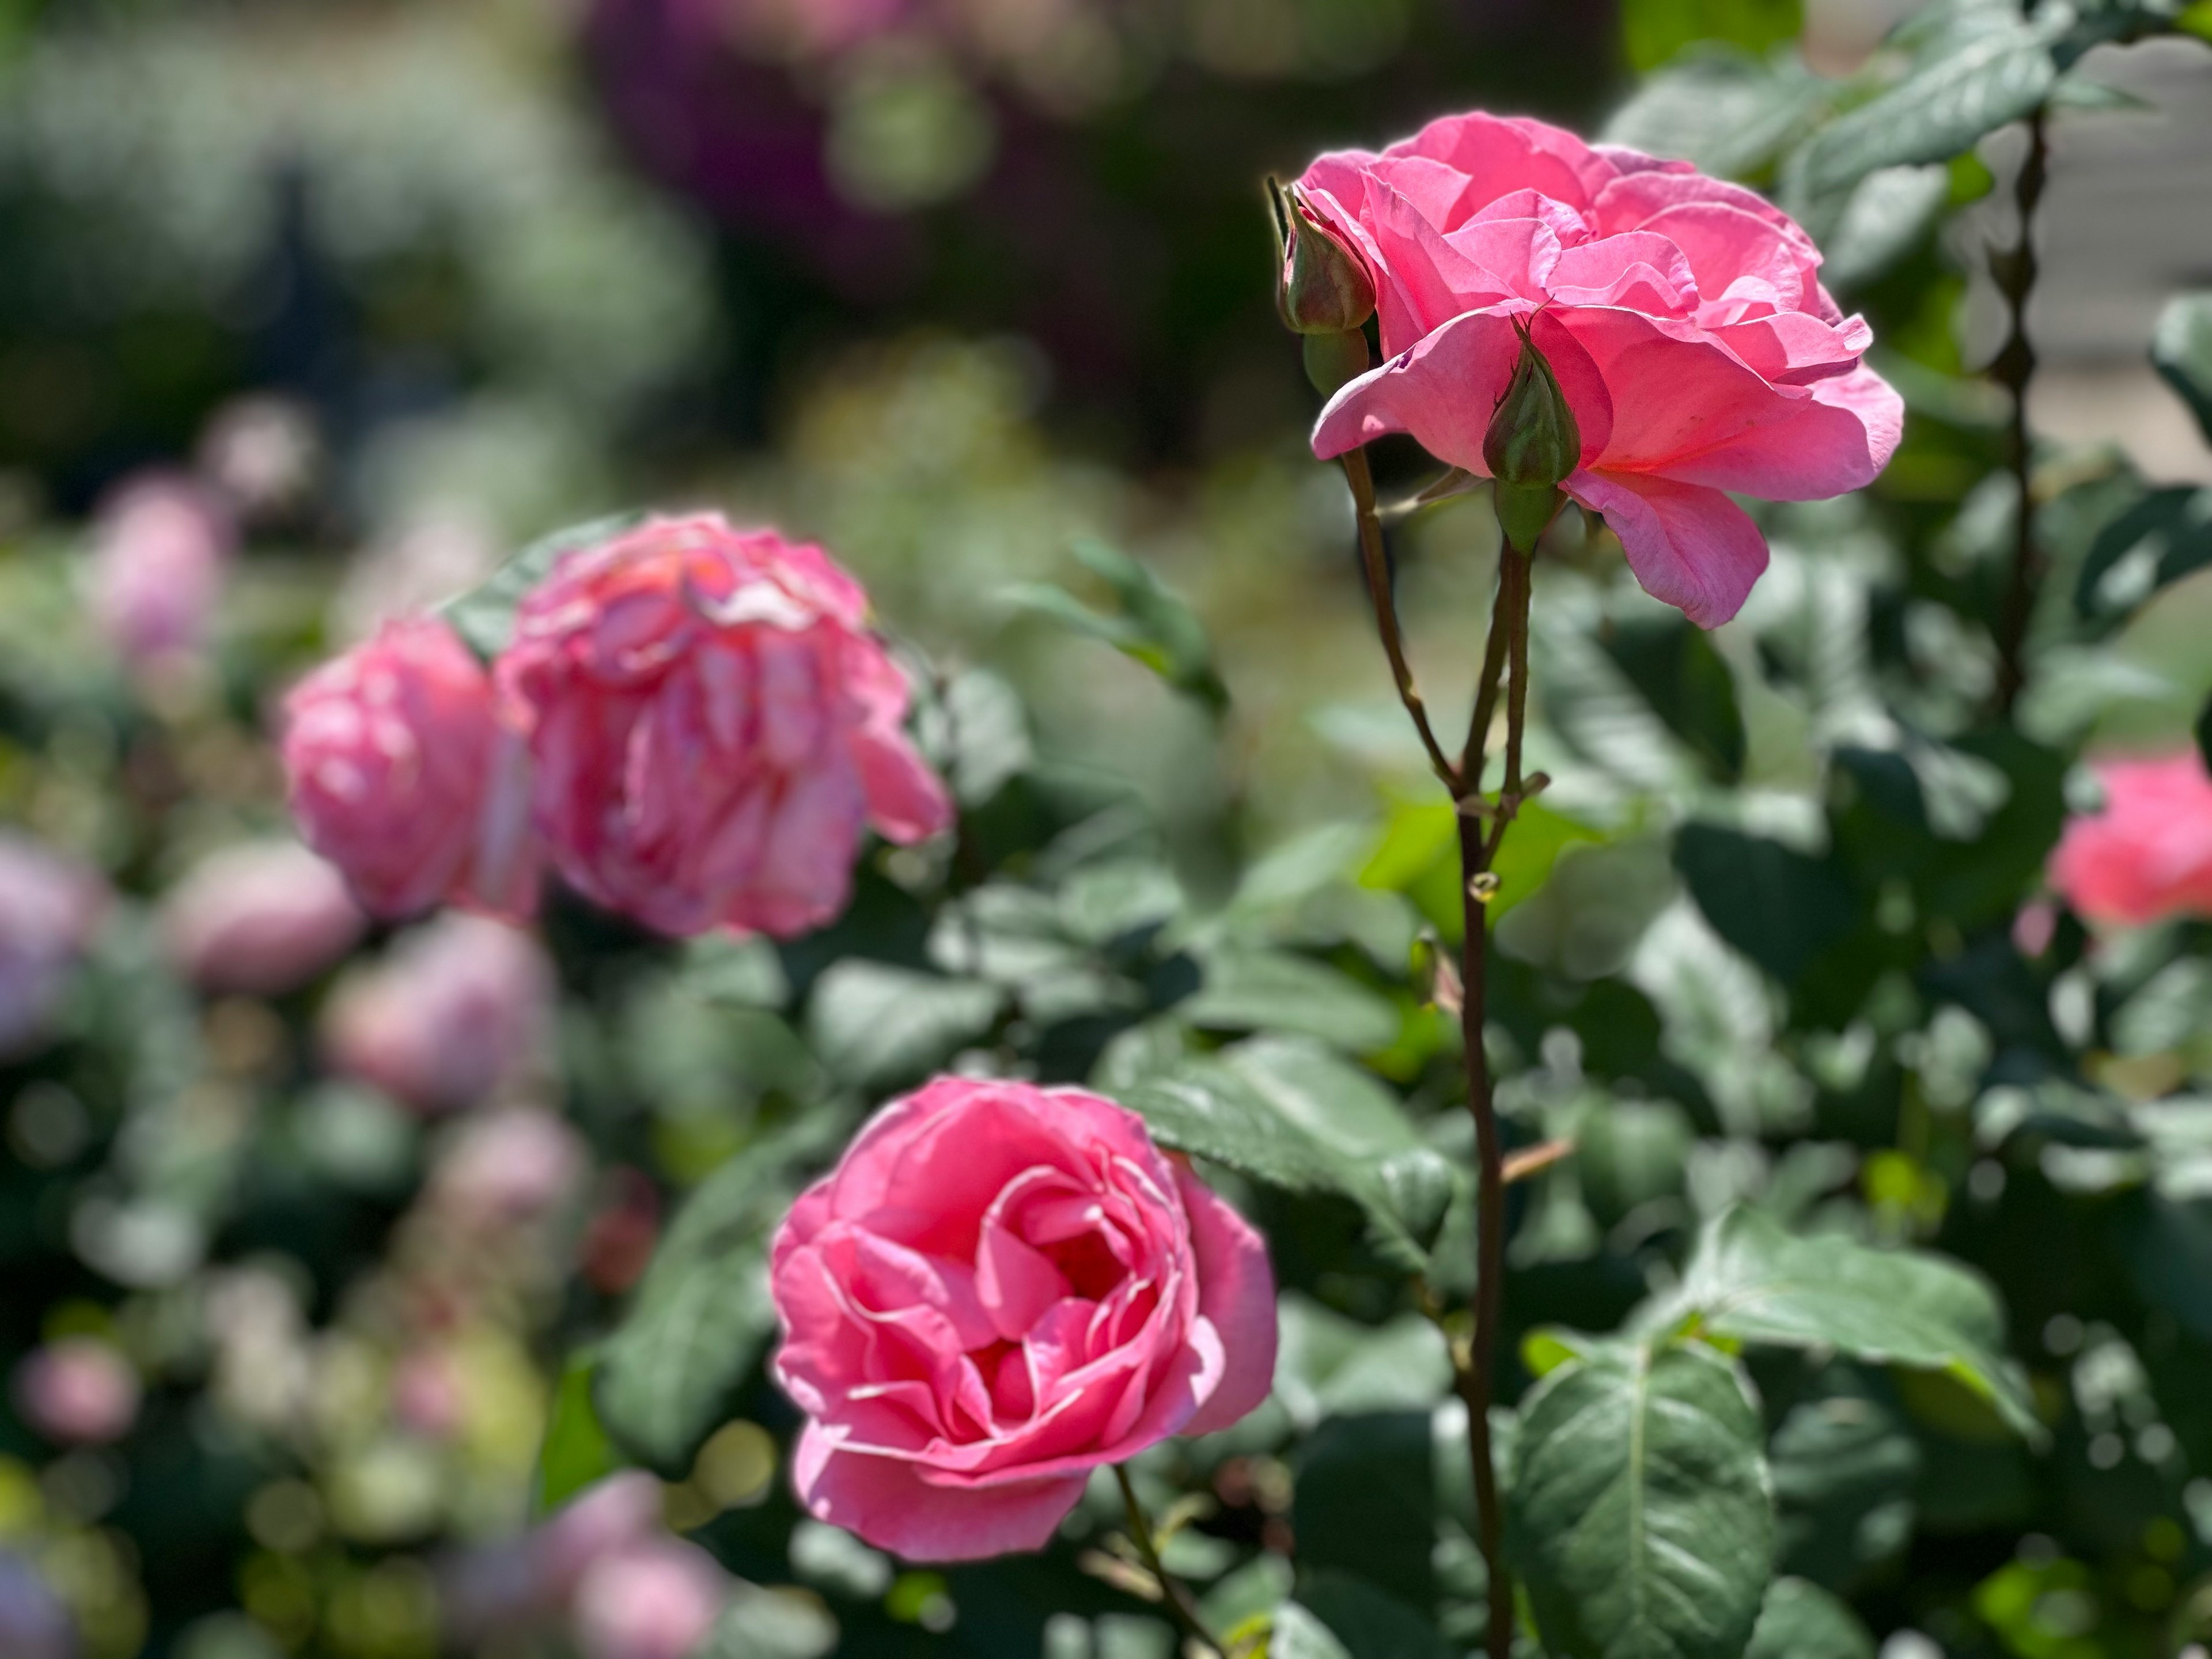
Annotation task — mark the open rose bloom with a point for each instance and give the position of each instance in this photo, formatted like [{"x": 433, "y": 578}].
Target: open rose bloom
[
  {"x": 2148, "y": 855},
  {"x": 714, "y": 727},
  {"x": 1000, "y": 1289},
  {"x": 1683, "y": 317}
]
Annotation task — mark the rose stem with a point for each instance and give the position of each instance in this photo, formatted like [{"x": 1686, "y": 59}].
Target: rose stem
[
  {"x": 2012, "y": 368},
  {"x": 1481, "y": 828},
  {"x": 1172, "y": 1593}
]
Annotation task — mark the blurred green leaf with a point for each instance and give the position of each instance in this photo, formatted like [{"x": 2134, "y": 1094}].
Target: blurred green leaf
[
  {"x": 1369, "y": 1623},
  {"x": 1844, "y": 1465},
  {"x": 1366, "y": 1507},
  {"x": 1332, "y": 1366},
  {"x": 1155, "y": 627},
  {"x": 484, "y": 615},
  {"x": 874, "y": 1025},
  {"x": 1776, "y": 905},
  {"x": 1252, "y": 990},
  {"x": 2159, "y": 539},
  {"x": 771, "y": 1624},
  {"x": 1803, "y": 1621},
  {"x": 1673, "y": 663},
  {"x": 1730, "y": 112},
  {"x": 1297, "y": 1634},
  {"x": 1639, "y": 1509},
  {"x": 577, "y": 1450},
  {"x": 1654, "y": 31},
  {"x": 2182, "y": 350},
  {"x": 1751, "y": 1281}
]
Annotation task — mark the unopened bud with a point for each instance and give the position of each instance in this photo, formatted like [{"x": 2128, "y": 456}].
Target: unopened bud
[
  {"x": 1532, "y": 444},
  {"x": 1325, "y": 286}
]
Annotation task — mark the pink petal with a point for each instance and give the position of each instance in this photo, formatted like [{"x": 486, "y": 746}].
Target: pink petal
[
  {"x": 1689, "y": 545},
  {"x": 885, "y": 1501},
  {"x": 1503, "y": 154},
  {"x": 1637, "y": 268},
  {"x": 1838, "y": 439},
  {"x": 907, "y": 801},
  {"x": 1237, "y": 1301}
]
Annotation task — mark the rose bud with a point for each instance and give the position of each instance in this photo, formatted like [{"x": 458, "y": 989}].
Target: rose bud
[
  {"x": 457, "y": 1006},
  {"x": 2146, "y": 854},
  {"x": 79, "y": 1391},
  {"x": 260, "y": 918},
  {"x": 1531, "y": 444},
  {"x": 998, "y": 1288},
  {"x": 713, "y": 728},
  {"x": 403, "y": 775},
  {"x": 655, "y": 1600},
  {"x": 49, "y": 906},
  {"x": 1325, "y": 286},
  {"x": 156, "y": 572}
]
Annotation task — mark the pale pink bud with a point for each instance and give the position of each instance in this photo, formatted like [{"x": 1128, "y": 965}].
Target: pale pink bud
[
  {"x": 156, "y": 572},
  {"x": 616, "y": 1514},
  {"x": 261, "y": 918},
  {"x": 79, "y": 1391}
]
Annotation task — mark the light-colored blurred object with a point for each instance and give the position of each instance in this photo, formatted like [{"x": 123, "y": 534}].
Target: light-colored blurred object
[
  {"x": 510, "y": 1166},
  {"x": 155, "y": 576},
  {"x": 260, "y": 918},
  {"x": 79, "y": 1391},
  {"x": 2082, "y": 405},
  {"x": 263, "y": 453},
  {"x": 457, "y": 1007},
  {"x": 656, "y": 1599},
  {"x": 435, "y": 557},
  {"x": 49, "y": 906},
  {"x": 34, "y": 1624}
]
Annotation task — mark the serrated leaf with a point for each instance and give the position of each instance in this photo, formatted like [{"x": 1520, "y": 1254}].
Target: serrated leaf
[
  {"x": 1251, "y": 990},
  {"x": 1750, "y": 1281},
  {"x": 2182, "y": 350},
  {"x": 1640, "y": 1512},
  {"x": 1803, "y": 1621},
  {"x": 484, "y": 615},
  {"x": 874, "y": 1025}
]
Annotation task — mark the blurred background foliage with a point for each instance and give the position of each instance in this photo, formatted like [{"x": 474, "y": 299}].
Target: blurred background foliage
[{"x": 304, "y": 1341}]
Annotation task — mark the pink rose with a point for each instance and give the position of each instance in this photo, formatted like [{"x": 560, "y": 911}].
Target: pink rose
[
  {"x": 713, "y": 728},
  {"x": 998, "y": 1290},
  {"x": 1683, "y": 317},
  {"x": 156, "y": 572},
  {"x": 2147, "y": 854},
  {"x": 261, "y": 919},
  {"x": 49, "y": 907},
  {"x": 656, "y": 1599},
  {"x": 403, "y": 775},
  {"x": 458, "y": 1007},
  {"x": 78, "y": 1392}
]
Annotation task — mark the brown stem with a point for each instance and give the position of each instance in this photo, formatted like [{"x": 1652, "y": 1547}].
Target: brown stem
[
  {"x": 2013, "y": 368},
  {"x": 1513, "y": 574},
  {"x": 1485, "y": 688},
  {"x": 1376, "y": 565},
  {"x": 1173, "y": 1595}
]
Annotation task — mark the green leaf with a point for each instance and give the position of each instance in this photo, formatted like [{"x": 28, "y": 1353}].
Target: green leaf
[
  {"x": 1369, "y": 1623},
  {"x": 1297, "y": 1634},
  {"x": 771, "y": 1624},
  {"x": 1750, "y": 1281},
  {"x": 1803, "y": 1621},
  {"x": 2182, "y": 350},
  {"x": 701, "y": 1317},
  {"x": 1214, "y": 1109},
  {"x": 1654, "y": 31},
  {"x": 1975, "y": 82},
  {"x": 1673, "y": 663},
  {"x": 1845, "y": 1464},
  {"x": 484, "y": 615},
  {"x": 1154, "y": 626},
  {"x": 983, "y": 730},
  {"x": 2157, "y": 541},
  {"x": 1332, "y": 1366},
  {"x": 1776, "y": 905},
  {"x": 874, "y": 1025},
  {"x": 1251, "y": 990},
  {"x": 1366, "y": 1507},
  {"x": 1727, "y": 111},
  {"x": 1640, "y": 1514},
  {"x": 577, "y": 1450}
]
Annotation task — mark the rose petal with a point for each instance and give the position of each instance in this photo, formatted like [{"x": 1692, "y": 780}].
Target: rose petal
[
  {"x": 1689, "y": 545},
  {"x": 1237, "y": 1300},
  {"x": 885, "y": 1501}
]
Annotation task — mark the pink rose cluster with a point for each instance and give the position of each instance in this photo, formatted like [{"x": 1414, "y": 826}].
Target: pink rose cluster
[
  {"x": 1683, "y": 318},
  {"x": 1000, "y": 1289},
  {"x": 692, "y": 724},
  {"x": 2146, "y": 854}
]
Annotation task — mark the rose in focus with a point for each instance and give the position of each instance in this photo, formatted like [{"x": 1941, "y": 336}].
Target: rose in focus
[
  {"x": 403, "y": 775},
  {"x": 2147, "y": 854},
  {"x": 713, "y": 728},
  {"x": 998, "y": 1288},
  {"x": 1682, "y": 316}
]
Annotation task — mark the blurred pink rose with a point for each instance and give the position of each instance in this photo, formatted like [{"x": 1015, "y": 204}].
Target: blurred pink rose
[
  {"x": 1684, "y": 317},
  {"x": 998, "y": 1288},
  {"x": 457, "y": 1006},
  {"x": 613, "y": 1515},
  {"x": 79, "y": 1391},
  {"x": 49, "y": 905},
  {"x": 508, "y": 1167},
  {"x": 263, "y": 453},
  {"x": 261, "y": 919},
  {"x": 656, "y": 1599},
  {"x": 403, "y": 775},
  {"x": 156, "y": 571},
  {"x": 2147, "y": 854},
  {"x": 713, "y": 728}
]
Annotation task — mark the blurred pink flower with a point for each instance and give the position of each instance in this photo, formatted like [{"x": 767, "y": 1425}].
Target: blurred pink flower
[
  {"x": 2147, "y": 854},
  {"x": 79, "y": 1391},
  {"x": 615, "y": 1513},
  {"x": 156, "y": 571},
  {"x": 263, "y": 453},
  {"x": 1683, "y": 317},
  {"x": 50, "y": 904},
  {"x": 712, "y": 726},
  {"x": 1062, "y": 1296},
  {"x": 508, "y": 1167},
  {"x": 261, "y": 918},
  {"x": 457, "y": 1007},
  {"x": 403, "y": 775},
  {"x": 33, "y": 1622},
  {"x": 656, "y": 1599}
]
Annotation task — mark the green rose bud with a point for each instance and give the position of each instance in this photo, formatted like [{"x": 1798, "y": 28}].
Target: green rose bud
[
  {"x": 1532, "y": 444},
  {"x": 1325, "y": 286}
]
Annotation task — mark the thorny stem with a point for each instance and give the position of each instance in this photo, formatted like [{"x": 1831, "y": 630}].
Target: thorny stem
[
  {"x": 1173, "y": 1595},
  {"x": 1481, "y": 829},
  {"x": 2013, "y": 368}
]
